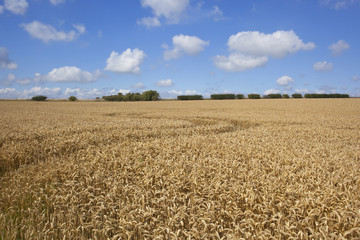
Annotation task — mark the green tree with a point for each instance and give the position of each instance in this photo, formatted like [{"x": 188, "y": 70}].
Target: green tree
[
  {"x": 39, "y": 98},
  {"x": 72, "y": 99},
  {"x": 150, "y": 95}
]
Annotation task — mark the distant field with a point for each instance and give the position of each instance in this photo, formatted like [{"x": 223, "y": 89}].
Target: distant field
[{"x": 231, "y": 169}]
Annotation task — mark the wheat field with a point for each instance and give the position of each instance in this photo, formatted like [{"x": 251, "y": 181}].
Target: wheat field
[{"x": 232, "y": 169}]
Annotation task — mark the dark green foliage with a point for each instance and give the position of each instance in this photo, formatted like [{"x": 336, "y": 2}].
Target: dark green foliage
[
  {"x": 338, "y": 95},
  {"x": 222, "y": 96},
  {"x": 285, "y": 96},
  {"x": 273, "y": 95},
  {"x": 190, "y": 97},
  {"x": 132, "y": 97},
  {"x": 254, "y": 96},
  {"x": 150, "y": 95},
  {"x": 296, "y": 95},
  {"x": 72, "y": 99},
  {"x": 240, "y": 96},
  {"x": 39, "y": 98},
  {"x": 114, "y": 98},
  {"x": 145, "y": 96},
  {"x": 324, "y": 95}
]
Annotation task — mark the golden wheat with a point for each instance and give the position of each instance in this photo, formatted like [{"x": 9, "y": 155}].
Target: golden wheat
[{"x": 242, "y": 169}]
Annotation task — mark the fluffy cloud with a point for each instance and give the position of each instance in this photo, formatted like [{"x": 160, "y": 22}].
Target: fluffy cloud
[
  {"x": 70, "y": 74},
  {"x": 5, "y": 62},
  {"x": 1, "y": 9},
  {"x": 53, "y": 92},
  {"x": 10, "y": 79},
  {"x": 323, "y": 66},
  {"x": 272, "y": 91},
  {"x": 9, "y": 93},
  {"x": 123, "y": 91},
  {"x": 174, "y": 93},
  {"x": 83, "y": 93},
  {"x": 48, "y": 33},
  {"x": 57, "y": 2},
  {"x": 191, "y": 92},
  {"x": 278, "y": 44},
  {"x": 128, "y": 61},
  {"x": 12, "y": 93},
  {"x": 172, "y": 10},
  {"x": 16, "y": 6},
  {"x": 252, "y": 49},
  {"x": 302, "y": 91},
  {"x": 165, "y": 83},
  {"x": 284, "y": 81},
  {"x": 190, "y": 45},
  {"x": 338, "y": 47},
  {"x": 239, "y": 62},
  {"x": 62, "y": 74},
  {"x": 149, "y": 22}
]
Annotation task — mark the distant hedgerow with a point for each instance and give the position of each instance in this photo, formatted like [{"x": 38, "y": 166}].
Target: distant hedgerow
[
  {"x": 254, "y": 96},
  {"x": 222, "y": 96},
  {"x": 273, "y": 95},
  {"x": 190, "y": 97},
  {"x": 240, "y": 96},
  {"x": 296, "y": 95},
  {"x": 324, "y": 95}
]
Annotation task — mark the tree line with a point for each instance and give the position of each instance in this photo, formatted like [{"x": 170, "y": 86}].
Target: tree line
[{"x": 152, "y": 95}]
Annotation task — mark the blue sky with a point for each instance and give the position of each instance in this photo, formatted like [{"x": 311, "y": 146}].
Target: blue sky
[{"x": 89, "y": 49}]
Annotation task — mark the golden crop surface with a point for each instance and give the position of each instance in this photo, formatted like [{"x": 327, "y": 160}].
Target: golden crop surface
[{"x": 232, "y": 169}]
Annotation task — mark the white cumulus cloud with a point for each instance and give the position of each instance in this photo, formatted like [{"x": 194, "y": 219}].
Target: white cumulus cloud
[
  {"x": 338, "y": 47},
  {"x": 302, "y": 91},
  {"x": 236, "y": 62},
  {"x": 16, "y": 6},
  {"x": 171, "y": 10},
  {"x": 123, "y": 91},
  {"x": 165, "y": 83},
  {"x": 49, "y": 92},
  {"x": 284, "y": 80},
  {"x": 5, "y": 62},
  {"x": 252, "y": 49},
  {"x": 128, "y": 61},
  {"x": 272, "y": 91},
  {"x": 48, "y": 33},
  {"x": 191, "y": 92},
  {"x": 11, "y": 78},
  {"x": 9, "y": 93},
  {"x": 71, "y": 74},
  {"x": 323, "y": 66},
  {"x": 83, "y": 93},
  {"x": 1, "y": 9},
  {"x": 278, "y": 44},
  {"x": 190, "y": 45}
]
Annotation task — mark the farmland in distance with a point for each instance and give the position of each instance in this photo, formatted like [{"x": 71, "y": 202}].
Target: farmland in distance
[{"x": 232, "y": 169}]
